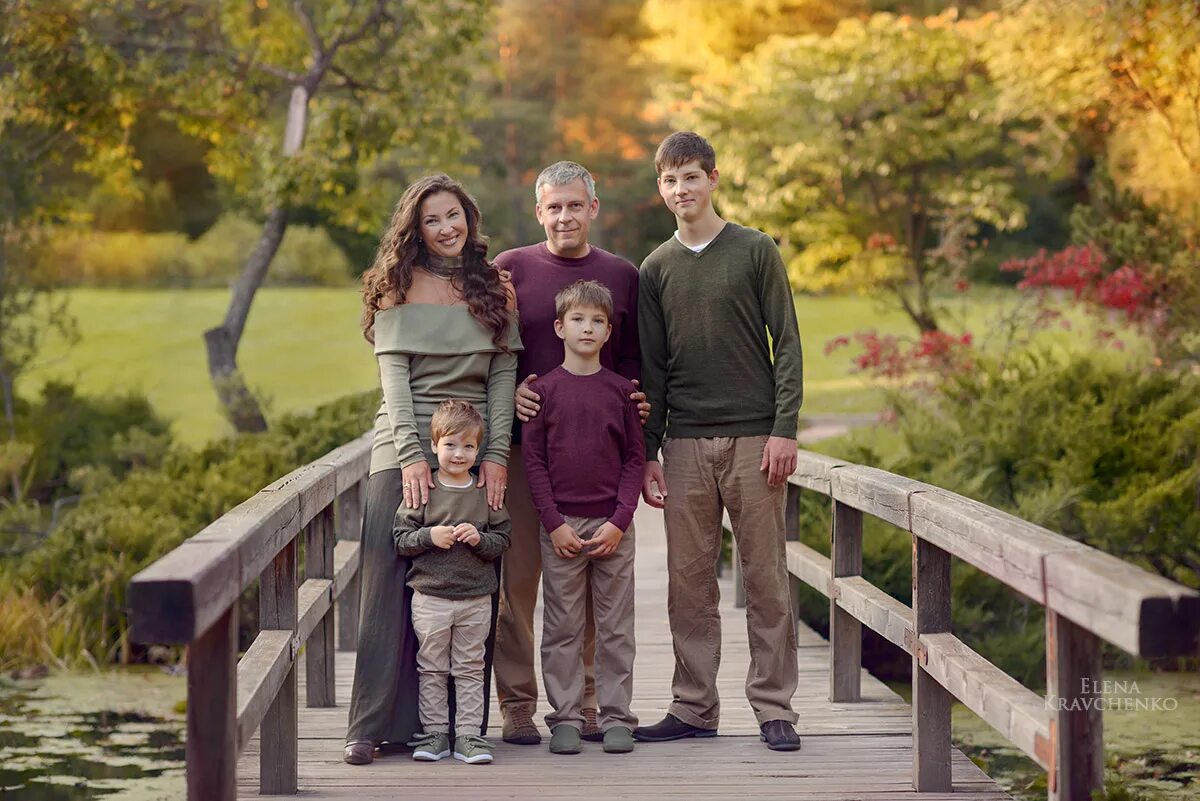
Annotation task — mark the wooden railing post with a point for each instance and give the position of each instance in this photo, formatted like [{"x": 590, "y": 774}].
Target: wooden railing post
[
  {"x": 791, "y": 533},
  {"x": 349, "y": 527},
  {"x": 212, "y": 712},
  {"x": 318, "y": 651},
  {"x": 1074, "y": 673},
  {"x": 931, "y": 702},
  {"x": 279, "y": 733},
  {"x": 845, "y": 631}
]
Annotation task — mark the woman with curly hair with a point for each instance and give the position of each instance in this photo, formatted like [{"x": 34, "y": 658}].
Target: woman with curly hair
[{"x": 443, "y": 324}]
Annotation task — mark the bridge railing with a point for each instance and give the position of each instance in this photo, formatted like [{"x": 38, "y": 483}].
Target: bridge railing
[
  {"x": 190, "y": 596},
  {"x": 1088, "y": 595}
]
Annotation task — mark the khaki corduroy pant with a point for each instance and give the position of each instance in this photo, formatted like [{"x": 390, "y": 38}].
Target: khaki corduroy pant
[{"x": 703, "y": 475}]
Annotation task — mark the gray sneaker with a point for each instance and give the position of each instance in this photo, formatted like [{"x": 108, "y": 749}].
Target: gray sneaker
[
  {"x": 564, "y": 739},
  {"x": 430, "y": 746},
  {"x": 472, "y": 749},
  {"x": 618, "y": 740}
]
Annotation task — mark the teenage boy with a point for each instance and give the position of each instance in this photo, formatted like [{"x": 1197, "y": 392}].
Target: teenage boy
[
  {"x": 583, "y": 458},
  {"x": 725, "y": 397},
  {"x": 566, "y": 206},
  {"x": 453, "y": 540}
]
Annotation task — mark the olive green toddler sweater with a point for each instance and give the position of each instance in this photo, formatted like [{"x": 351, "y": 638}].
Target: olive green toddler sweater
[{"x": 460, "y": 571}]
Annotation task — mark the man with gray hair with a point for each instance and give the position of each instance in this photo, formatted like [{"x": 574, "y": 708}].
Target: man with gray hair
[{"x": 566, "y": 206}]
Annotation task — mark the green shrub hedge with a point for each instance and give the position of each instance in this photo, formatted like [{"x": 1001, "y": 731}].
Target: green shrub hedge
[
  {"x": 87, "y": 561},
  {"x": 307, "y": 256},
  {"x": 1105, "y": 455}
]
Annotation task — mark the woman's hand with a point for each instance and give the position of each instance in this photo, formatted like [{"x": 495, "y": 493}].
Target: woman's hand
[
  {"x": 495, "y": 478},
  {"x": 418, "y": 480}
]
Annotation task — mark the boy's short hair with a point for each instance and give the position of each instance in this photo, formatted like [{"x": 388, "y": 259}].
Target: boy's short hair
[
  {"x": 584, "y": 293},
  {"x": 681, "y": 147},
  {"x": 561, "y": 173},
  {"x": 455, "y": 416}
]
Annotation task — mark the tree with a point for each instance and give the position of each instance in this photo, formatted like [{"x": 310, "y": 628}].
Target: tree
[
  {"x": 317, "y": 105},
  {"x": 1110, "y": 78},
  {"x": 571, "y": 83},
  {"x": 872, "y": 154},
  {"x": 59, "y": 119}
]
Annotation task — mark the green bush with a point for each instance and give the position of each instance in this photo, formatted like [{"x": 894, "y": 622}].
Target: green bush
[
  {"x": 1106, "y": 456},
  {"x": 68, "y": 435},
  {"x": 86, "y": 562},
  {"x": 307, "y": 256}
]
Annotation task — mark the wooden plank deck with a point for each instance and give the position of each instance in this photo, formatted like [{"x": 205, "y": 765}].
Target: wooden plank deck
[{"x": 857, "y": 751}]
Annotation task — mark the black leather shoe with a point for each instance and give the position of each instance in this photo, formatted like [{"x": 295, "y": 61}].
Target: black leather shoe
[
  {"x": 670, "y": 728},
  {"x": 779, "y": 735}
]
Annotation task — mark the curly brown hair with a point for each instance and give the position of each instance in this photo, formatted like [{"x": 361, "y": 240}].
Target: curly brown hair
[{"x": 401, "y": 249}]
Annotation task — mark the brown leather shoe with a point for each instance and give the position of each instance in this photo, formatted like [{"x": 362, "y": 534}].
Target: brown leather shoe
[
  {"x": 519, "y": 728},
  {"x": 591, "y": 729},
  {"x": 359, "y": 753}
]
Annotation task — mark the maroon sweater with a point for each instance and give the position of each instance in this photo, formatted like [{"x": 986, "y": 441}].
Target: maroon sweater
[
  {"x": 584, "y": 451},
  {"x": 538, "y": 275}
]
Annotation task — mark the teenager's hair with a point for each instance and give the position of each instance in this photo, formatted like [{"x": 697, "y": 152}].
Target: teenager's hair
[
  {"x": 591, "y": 294},
  {"x": 681, "y": 147},
  {"x": 456, "y": 416},
  {"x": 561, "y": 173},
  {"x": 401, "y": 248}
]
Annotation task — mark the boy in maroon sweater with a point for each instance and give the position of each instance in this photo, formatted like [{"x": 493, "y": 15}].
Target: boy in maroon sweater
[{"x": 584, "y": 455}]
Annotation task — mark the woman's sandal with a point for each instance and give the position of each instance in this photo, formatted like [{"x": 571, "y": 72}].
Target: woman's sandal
[{"x": 359, "y": 753}]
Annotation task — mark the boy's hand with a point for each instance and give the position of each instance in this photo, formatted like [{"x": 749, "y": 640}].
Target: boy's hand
[
  {"x": 466, "y": 533},
  {"x": 654, "y": 486},
  {"x": 528, "y": 401},
  {"x": 605, "y": 540},
  {"x": 566, "y": 541},
  {"x": 779, "y": 460},
  {"x": 442, "y": 536},
  {"x": 639, "y": 398}
]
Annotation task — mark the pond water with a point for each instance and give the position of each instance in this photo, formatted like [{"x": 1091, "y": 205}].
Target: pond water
[
  {"x": 1151, "y": 740},
  {"x": 112, "y": 734}
]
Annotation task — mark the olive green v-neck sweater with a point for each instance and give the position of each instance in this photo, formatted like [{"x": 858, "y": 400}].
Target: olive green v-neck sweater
[{"x": 708, "y": 366}]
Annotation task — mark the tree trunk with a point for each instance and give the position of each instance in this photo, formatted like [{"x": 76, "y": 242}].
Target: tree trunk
[{"x": 241, "y": 407}]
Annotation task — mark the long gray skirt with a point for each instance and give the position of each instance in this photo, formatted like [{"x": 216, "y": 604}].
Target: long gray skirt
[{"x": 383, "y": 700}]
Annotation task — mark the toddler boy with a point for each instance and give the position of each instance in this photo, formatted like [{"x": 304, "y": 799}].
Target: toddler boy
[{"x": 454, "y": 538}]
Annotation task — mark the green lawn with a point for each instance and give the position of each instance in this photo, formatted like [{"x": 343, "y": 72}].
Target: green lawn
[{"x": 302, "y": 347}]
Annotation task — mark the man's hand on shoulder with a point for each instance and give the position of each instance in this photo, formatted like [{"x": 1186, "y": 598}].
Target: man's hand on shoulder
[
  {"x": 639, "y": 397},
  {"x": 528, "y": 402},
  {"x": 779, "y": 460}
]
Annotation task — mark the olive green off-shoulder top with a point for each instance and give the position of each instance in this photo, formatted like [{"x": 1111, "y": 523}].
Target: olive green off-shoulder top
[{"x": 428, "y": 353}]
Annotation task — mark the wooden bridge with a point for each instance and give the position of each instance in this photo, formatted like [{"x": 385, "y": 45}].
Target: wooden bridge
[{"x": 861, "y": 741}]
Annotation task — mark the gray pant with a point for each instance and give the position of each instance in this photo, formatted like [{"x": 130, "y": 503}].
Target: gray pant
[
  {"x": 453, "y": 634},
  {"x": 565, "y": 585},
  {"x": 383, "y": 699}
]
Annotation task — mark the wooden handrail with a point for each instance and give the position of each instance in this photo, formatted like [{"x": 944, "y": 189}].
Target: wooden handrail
[
  {"x": 1089, "y": 596},
  {"x": 190, "y": 597}
]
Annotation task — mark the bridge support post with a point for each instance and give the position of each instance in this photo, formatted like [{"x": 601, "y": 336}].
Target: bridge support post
[
  {"x": 349, "y": 527},
  {"x": 212, "y": 712},
  {"x": 279, "y": 733},
  {"x": 1074, "y": 673},
  {"x": 319, "y": 651},
  {"x": 931, "y": 701},
  {"x": 845, "y": 631}
]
